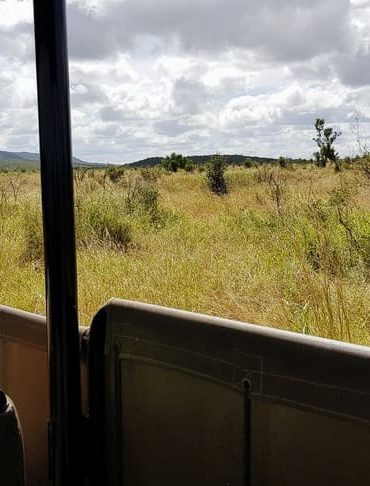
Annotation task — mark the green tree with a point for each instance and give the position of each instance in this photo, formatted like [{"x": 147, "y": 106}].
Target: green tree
[
  {"x": 325, "y": 139},
  {"x": 248, "y": 163},
  {"x": 174, "y": 162},
  {"x": 115, "y": 173},
  {"x": 189, "y": 166},
  {"x": 215, "y": 175},
  {"x": 283, "y": 162}
]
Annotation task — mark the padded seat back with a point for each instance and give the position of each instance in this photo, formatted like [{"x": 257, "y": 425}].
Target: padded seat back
[{"x": 11, "y": 445}]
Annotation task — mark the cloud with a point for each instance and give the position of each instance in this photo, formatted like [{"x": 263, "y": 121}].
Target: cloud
[
  {"x": 293, "y": 105},
  {"x": 189, "y": 95},
  {"x": 353, "y": 70},
  {"x": 110, "y": 114},
  {"x": 89, "y": 36},
  {"x": 194, "y": 76},
  {"x": 17, "y": 42},
  {"x": 279, "y": 30},
  {"x": 171, "y": 127},
  {"x": 86, "y": 93}
]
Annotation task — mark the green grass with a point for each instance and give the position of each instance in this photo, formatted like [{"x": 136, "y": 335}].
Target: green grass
[{"x": 285, "y": 248}]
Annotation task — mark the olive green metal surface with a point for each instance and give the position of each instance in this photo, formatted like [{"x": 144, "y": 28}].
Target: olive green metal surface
[
  {"x": 180, "y": 398},
  {"x": 183, "y": 399},
  {"x": 25, "y": 379}
]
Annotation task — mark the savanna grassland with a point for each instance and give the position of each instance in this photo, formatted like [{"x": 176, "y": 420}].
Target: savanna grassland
[{"x": 289, "y": 248}]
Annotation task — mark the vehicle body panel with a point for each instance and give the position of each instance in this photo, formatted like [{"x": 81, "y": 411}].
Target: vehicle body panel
[
  {"x": 25, "y": 379},
  {"x": 183, "y": 399}
]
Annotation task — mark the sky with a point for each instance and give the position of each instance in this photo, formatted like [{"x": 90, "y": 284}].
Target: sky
[{"x": 151, "y": 77}]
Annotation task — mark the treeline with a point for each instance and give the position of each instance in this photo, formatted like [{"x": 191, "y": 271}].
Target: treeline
[{"x": 234, "y": 159}]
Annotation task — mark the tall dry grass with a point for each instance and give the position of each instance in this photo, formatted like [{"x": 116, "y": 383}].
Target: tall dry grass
[{"x": 285, "y": 248}]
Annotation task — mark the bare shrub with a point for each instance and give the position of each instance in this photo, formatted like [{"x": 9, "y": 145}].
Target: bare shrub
[
  {"x": 99, "y": 222},
  {"x": 277, "y": 185},
  {"x": 141, "y": 199},
  {"x": 263, "y": 175}
]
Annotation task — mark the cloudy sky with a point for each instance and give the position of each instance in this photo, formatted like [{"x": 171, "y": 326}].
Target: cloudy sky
[{"x": 149, "y": 77}]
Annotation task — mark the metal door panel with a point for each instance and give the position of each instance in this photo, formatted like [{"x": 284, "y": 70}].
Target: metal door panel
[
  {"x": 180, "y": 398},
  {"x": 305, "y": 447},
  {"x": 24, "y": 378}
]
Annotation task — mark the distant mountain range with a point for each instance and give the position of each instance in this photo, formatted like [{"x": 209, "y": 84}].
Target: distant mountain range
[
  {"x": 201, "y": 159},
  {"x": 30, "y": 160}
]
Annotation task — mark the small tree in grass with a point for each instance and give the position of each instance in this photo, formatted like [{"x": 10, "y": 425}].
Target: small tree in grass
[
  {"x": 189, "y": 166},
  {"x": 284, "y": 163},
  {"x": 325, "y": 138},
  {"x": 215, "y": 175}
]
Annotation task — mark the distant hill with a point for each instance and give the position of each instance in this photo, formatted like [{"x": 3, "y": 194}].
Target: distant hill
[
  {"x": 30, "y": 160},
  {"x": 201, "y": 159}
]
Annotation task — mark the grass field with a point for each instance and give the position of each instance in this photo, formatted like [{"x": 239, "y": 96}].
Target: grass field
[{"x": 285, "y": 248}]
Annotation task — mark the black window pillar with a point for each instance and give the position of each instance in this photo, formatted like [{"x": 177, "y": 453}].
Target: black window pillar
[{"x": 59, "y": 239}]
